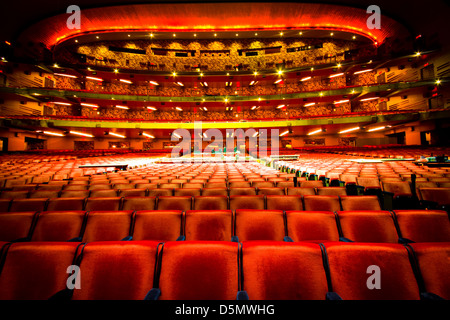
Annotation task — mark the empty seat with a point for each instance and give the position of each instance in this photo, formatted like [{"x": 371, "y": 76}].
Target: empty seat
[
  {"x": 4, "y": 205},
  {"x": 352, "y": 264},
  {"x": 440, "y": 196},
  {"x": 120, "y": 186},
  {"x": 160, "y": 192},
  {"x": 13, "y": 194},
  {"x": 100, "y": 186},
  {"x": 38, "y": 204},
  {"x": 139, "y": 203},
  {"x": 262, "y": 184},
  {"x": 58, "y": 226},
  {"x": 239, "y": 184},
  {"x": 170, "y": 185},
  {"x": 352, "y": 203},
  {"x": 215, "y": 192},
  {"x": 211, "y": 203},
  {"x": 210, "y": 225},
  {"x": 161, "y": 225},
  {"x": 187, "y": 192},
  {"x": 247, "y": 202},
  {"x": 36, "y": 270},
  {"x": 107, "y": 226},
  {"x": 209, "y": 274},
  {"x": 44, "y": 194},
  {"x": 99, "y": 193},
  {"x": 300, "y": 191},
  {"x": 434, "y": 265},
  {"x": 132, "y": 192},
  {"x": 74, "y": 194},
  {"x": 271, "y": 191},
  {"x": 242, "y": 191},
  {"x": 283, "y": 271},
  {"x": 284, "y": 203},
  {"x": 216, "y": 185},
  {"x": 71, "y": 187},
  {"x": 397, "y": 188},
  {"x": 312, "y": 226},
  {"x": 191, "y": 185},
  {"x": 16, "y": 225},
  {"x": 116, "y": 270},
  {"x": 285, "y": 184},
  {"x": 259, "y": 225},
  {"x": 423, "y": 225},
  {"x": 311, "y": 184},
  {"x": 182, "y": 203},
  {"x": 332, "y": 191},
  {"x": 103, "y": 204},
  {"x": 368, "y": 226},
  {"x": 146, "y": 185},
  {"x": 66, "y": 204},
  {"x": 321, "y": 203}
]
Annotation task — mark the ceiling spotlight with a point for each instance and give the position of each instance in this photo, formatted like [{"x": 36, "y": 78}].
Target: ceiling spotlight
[
  {"x": 122, "y": 107},
  {"x": 125, "y": 81},
  {"x": 305, "y": 79},
  {"x": 53, "y": 133},
  {"x": 280, "y": 72},
  {"x": 81, "y": 134},
  {"x": 350, "y": 130},
  {"x": 116, "y": 135},
  {"x": 148, "y": 135},
  {"x": 376, "y": 129},
  {"x": 284, "y": 133},
  {"x": 154, "y": 83},
  {"x": 178, "y": 108},
  {"x": 174, "y": 74},
  {"x": 94, "y": 78},
  {"x": 314, "y": 132},
  {"x": 152, "y": 108},
  {"x": 438, "y": 81}
]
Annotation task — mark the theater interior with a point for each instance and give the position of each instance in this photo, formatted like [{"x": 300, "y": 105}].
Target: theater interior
[{"x": 224, "y": 151}]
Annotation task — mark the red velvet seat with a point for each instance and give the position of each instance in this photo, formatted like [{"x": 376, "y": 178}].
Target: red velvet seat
[
  {"x": 311, "y": 184},
  {"x": 332, "y": 191},
  {"x": 103, "y": 193},
  {"x": 244, "y": 191},
  {"x": 107, "y": 226},
  {"x": 368, "y": 226},
  {"x": 423, "y": 225},
  {"x": 215, "y": 192},
  {"x": 16, "y": 225},
  {"x": 58, "y": 226},
  {"x": 208, "y": 225},
  {"x": 211, "y": 203},
  {"x": 259, "y": 225},
  {"x": 283, "y": 271},
  {"x": 350, "y": 263},
  {"x": 193, "y": 192},
  {"x": 116, "y": 270},
  {"x": 263, "y": 184},
  {"x": 132, "y": 192},
  {"x": 74, "y": 194},
  {"x": 284, "y": 203},
  {"x": 14, "y": 194},
  {"x": 37, "y": 204},
  {"x": 434, "y": 264},
  {"x": 158, "y": 192},
  {"x": 66, "y": 204},
  {"x": 321, "y": 203},
  {"x": 292, "y": 191},
  {"x": 139, "y": 203},
  {"x": 160, "y": 225},
  {"x": 182, "y": 203},
  {"x": 247, "y": 202},
  {"x": 44, "y": 194},
  {"x": 353, "y": 203},
  {"x": 4, "y": 205},
  {"x": 35, "y": 270},
  {"x": 312, "y": 226},
  {"x": 271, "y": 191},
  {"x": 103, "y": 204},
  {"x": 195, "y": 270}
]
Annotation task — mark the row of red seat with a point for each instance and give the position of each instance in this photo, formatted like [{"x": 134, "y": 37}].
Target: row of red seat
[
  {"x": 225, "y": 225},
  {"x": 213, "y": 270},
  {"x": 184, "y": 203}
]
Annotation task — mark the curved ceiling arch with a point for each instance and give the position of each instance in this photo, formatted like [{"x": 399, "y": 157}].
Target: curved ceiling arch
[{"x": 198, "y": 17}]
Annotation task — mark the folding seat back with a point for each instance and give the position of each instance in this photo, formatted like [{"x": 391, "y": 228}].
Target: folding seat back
[
  {"x": 285, "y": 184},
  {"x": 139, "y": 203},
  {"x": 59, "y": 226},
  {"x": 298, "y": 191},
  {"x": 66, "y": 204},
  {"x": 209, "y": 274},
  {"x": 397, "y": 188},
  {"x": 262, "y": 184},
  {"x": 100, "y": 186},
  {"x": 284, "y": 203},
  {"x": 368, "y": 226},
  {"x": 210, "y": 203},
  {"x": 182, "y": 203},
  {"x": 170, "y": 185},
  {"x": 259, "y": 225},
  {"x": 35, "y": 270},
  {"x": 312, "y": 226},
  {"x": 160, "y": 225},
  {"x": 103, "y": 193},
  {"x": 74, "y": 194},
  {"x": 16, "y": 225},
  {"x": 311, "y": 184},
  {"x": 215, "y": 185},
  {"x": 191, "y": 185},
  {"x": 332, "y": 191},
  {"x": 434, "y": 266},
  {"x": 116, "y": 270},
  {"x": 103, "y": 204},
  {"x": 160, "y": 192},
  {"x": 37, "y": 204},
  {"x": 209, "y": 225},
  {"x": 321, "y": 203},
  {"x": 4, "y": 205},
  {"x": 239, "y": 184},
  {"x": 70, "y": 187},
  {"x": 146, "y": 185},
  {"x": 107, "y": 226},
  {"x": 247, "y": 202},
  {"x": 423, "y": 225},
  {"x": 44, "y": 194},
  {"x": 368, "y": 182},
  {"x": 120, "y": 186},
  {"x": 14, "y": 195},
  {"x": 24, "y": 187},
  {"x": 440, "y": 196},
  {"x": 242, "y": 191},
  {"x": 187, "y": 192},
  {"x": 132, "y": 192},
  {"x": 354, "y": 203},
  {"x": 215, "y": 192},
  {"x": 352, "y": 264},
  {"x": 283, "y": 271},
  {"x": 271, "y": 191}
]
